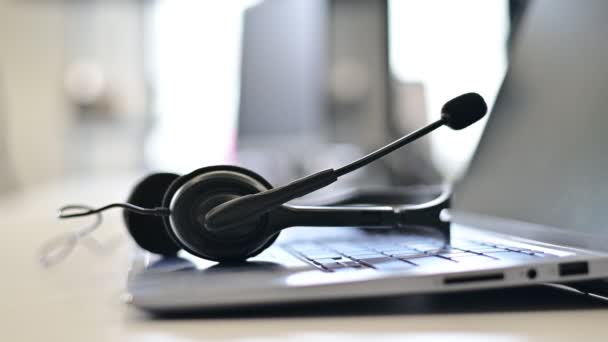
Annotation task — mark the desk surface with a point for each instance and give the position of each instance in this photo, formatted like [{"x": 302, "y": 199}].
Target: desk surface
[{"x": 81, "y": 299}]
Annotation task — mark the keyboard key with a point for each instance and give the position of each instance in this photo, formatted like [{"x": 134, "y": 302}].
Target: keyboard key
[
  {"x": 386, "y": 263},
  {"x": 323, "y": 261},
  {"x": 483, "y": 250},
  {"x": 397, "y": 250},
  {"x": 432, "y": 262},
  {"x": 513, "y": 256},
  {"x": 451, "y": 255},
  {"x": 450, "y": 249},
  {"x": 376, "y": 260},
  {"x": 368, "y": 255},
  {"x": 525, "y": 250},
  {"x": 544, "y": 255},
  {"x": 393, "y": 265},
  {"x": 473, "y": 259},
  {"x": 334, "y": 266},
  {"x": 322, "y": 255},
  {"x": 350, "y": 269},
  {"x": 445, "y": 251},
  {"x": 355, "y": 251},
  {"x": 405, "y": 255},
  {"x": 504, "y": 247},
  {"x": 351, "y": 263},
  {"x": 347, "y": 248}
]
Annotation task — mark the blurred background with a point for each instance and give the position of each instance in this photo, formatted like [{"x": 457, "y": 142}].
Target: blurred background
[{"x": 285, "y": 87}]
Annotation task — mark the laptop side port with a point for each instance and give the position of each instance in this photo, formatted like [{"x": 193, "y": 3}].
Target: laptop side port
[
  {"x": 573, "y": 268},
  {"x": 473, "y": 278}
]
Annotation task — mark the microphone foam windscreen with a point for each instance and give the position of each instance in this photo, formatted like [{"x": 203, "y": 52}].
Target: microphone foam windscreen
[{"x": 464, "y": 110}]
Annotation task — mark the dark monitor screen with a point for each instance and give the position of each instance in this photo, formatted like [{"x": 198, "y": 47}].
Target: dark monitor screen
[{"x": 283, "y": 69}]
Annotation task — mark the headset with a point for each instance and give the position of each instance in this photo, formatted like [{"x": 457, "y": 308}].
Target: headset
[{"x": 229, "y": 213}]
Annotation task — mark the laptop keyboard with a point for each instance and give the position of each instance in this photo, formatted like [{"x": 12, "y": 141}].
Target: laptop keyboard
[{"x": 399, "y": 253}]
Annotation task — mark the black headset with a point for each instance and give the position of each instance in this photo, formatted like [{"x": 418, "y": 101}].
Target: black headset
[{"x": 229, "y": 213}]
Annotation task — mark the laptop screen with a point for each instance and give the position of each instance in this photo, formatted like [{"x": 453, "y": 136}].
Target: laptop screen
[{"x": 543, "y": 157}]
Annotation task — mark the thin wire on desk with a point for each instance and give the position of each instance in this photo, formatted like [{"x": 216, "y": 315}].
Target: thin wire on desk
[
  {"x": 59, "y": 247},
  {"x": 81, "y": 210}
]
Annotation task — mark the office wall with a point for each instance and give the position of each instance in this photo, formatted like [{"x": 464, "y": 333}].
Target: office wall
[
  {"x": 39, "y": 40},
  {"x": 32, "y": 54},
  {"x": 107, "y": 135}
]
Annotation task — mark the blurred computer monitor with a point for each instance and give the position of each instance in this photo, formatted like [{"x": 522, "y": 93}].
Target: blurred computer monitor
[
  {"x": 323, "y": 81},
  {"x": 313, "y": 85},
  {"x": 283, "y": 70}
]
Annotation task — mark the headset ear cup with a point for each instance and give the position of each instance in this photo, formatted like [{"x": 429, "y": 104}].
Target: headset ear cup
[
  {"x": 149, "y": 231},
  {"x": 195, "y": 191}
]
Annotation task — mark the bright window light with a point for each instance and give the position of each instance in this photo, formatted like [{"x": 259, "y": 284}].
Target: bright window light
[
  {"x": 195, "y": 52},
  {"x": 450, "y": 47}
]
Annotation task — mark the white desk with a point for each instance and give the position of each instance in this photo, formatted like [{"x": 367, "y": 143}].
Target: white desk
[{"x": 80, "y": 299}]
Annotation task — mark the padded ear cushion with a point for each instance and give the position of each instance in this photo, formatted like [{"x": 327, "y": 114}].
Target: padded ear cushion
[
  {"x": 177, "y": 184},
  {"x": 149, "y": 231}
]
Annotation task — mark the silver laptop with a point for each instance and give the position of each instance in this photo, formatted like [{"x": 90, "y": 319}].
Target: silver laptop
[{"x": 531, "y": 209}]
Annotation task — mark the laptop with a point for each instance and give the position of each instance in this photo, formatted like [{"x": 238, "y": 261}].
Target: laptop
[{"x": 530, "y": 209}]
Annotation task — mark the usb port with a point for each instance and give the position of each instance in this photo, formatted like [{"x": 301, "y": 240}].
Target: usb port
[{"x": 573, "y": 268}]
